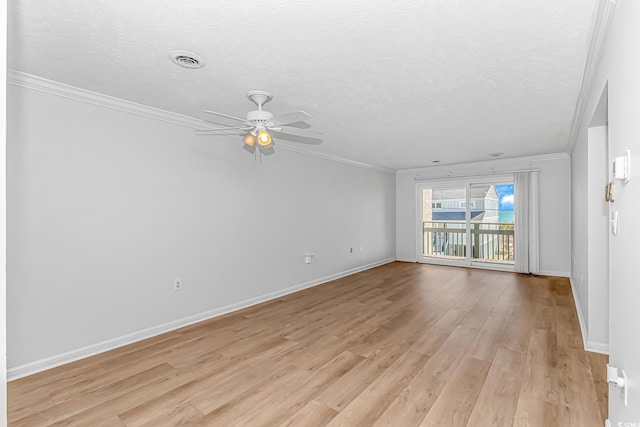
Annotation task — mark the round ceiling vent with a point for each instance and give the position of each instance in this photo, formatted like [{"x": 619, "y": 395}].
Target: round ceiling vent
[{"x": 187, "y": 59}]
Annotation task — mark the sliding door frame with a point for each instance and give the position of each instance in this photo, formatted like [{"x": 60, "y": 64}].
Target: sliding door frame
[{"x": 444, "y": 183}]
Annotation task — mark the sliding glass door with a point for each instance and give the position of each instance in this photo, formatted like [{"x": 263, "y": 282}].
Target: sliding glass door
[{"x": 469, "y": 223}]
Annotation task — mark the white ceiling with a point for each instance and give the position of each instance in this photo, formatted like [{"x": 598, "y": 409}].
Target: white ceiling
[{"x": 390, "y": 83}]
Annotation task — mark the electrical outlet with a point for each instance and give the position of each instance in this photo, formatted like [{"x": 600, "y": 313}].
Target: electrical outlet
[
  {"x": 177, "y": 285},
  {"x": 361, "y": 248}
]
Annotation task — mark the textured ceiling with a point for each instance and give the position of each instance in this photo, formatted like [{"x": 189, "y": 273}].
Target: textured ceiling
[{"x": 391, "y": 83}]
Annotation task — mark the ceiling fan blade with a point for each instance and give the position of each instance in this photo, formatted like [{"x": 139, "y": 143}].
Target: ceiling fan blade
[
  {"x": 226, "y": 115},
  {"x": 234, "y": 132},
  {"x": 285, "y": 119},
  {"x": 217, "y": 123},
  {"x": 220, "y": 134},
  {"x": 245, "y": 128},
  {"x": 305, "y": 133}
]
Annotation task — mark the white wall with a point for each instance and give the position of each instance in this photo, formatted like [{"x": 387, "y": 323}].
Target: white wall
[
  {"x": 3, "y": 214},
  {"x": 555, "y": 205},
  {"x": 106, "y": 208},
  {"x": 619, "y": 66}
]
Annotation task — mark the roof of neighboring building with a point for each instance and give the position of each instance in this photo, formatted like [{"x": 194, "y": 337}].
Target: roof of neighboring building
[
  {"x": 455, "y": 216},
  {"x": 477, "y": 192}
]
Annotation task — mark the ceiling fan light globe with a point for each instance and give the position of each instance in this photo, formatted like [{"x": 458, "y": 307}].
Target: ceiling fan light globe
[
  {"x": 264, "y": 139},
  {"x": 250, "y": 140}
]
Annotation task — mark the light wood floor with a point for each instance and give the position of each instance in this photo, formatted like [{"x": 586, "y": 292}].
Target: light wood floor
[{"x": 401, "y": 345}]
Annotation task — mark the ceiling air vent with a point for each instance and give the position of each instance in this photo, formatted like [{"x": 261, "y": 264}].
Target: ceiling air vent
[{"x": 187, "y": 59}]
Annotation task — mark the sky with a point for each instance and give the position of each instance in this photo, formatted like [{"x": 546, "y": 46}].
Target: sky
[{"x": 505, "y": 193}]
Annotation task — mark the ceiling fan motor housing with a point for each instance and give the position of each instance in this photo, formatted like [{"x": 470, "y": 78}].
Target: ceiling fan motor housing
[{"x": 259, "y": 116}]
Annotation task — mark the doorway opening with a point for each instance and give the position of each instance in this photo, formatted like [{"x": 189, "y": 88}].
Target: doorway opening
[{"x": 598, "y": 235}]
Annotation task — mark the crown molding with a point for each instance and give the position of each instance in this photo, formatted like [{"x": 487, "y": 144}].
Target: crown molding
[
  {"x": 496, "y": 163},
  {"x": 598, "y": 33},
  {"x": 308, "y": 152},
  {"x": 30, "y": 81}
]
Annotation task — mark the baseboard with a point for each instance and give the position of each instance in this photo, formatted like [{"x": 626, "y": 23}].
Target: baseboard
[
  {"x": 91, "y": 350},
  {"x": 542, "y": 272},
  {"x": 592, "y": 346},
  {"x": 583, "y": 326},
  {"x": 597, "y": 347},
  {"x": 554, "y": 273}
]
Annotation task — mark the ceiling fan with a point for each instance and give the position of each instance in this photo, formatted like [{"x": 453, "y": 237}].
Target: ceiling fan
[{"x": 259, "y": 124}]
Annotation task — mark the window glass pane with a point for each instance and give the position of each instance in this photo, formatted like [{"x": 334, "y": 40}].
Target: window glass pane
[
  {"x": 444, "y": 222},
  {"x": 492, "y": 223}
]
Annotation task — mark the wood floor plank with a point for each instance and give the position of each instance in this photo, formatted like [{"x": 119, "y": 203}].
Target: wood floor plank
[
  {"x": 541, "y": 363},
  {"x": 431, "y": 341},
  {"x": 162, "y": 405},
  {"x": 538, "y": 413},
  {"x": 490, "y": 335},
  {"x": 313, "y": 413},
  {"x": 373, "y": 400},
  {"x": 342, "y": 392},
  {"x": 538, "y": 400},
  {"x": 463, "y": 388},
  {"x": 484, "y": 306},
  {"x": 519, "y": 325},
  {"x": 412, "y": 404},
  {"x": 182, "y": 415},
  {"x": 598, "y": 363},
  {"x": 134, "y": 398},
  {"x": 569, "y": 334},
  {"x": 103, "y": 395},
  {"x": 403, "y": 344},
  {"x": 231, "y": 411},
  {"x": 29, "y": 403},
  {"x": 498, "y": 398},
  {"x": 577, "y": 397},
  {"x": 291, "y": 400},
  {"x": 190, "y": 353},
  {"x": 243, "y": 376},
  {"x": 113, "y": 421},
  {"x": 93, "y": 365}
]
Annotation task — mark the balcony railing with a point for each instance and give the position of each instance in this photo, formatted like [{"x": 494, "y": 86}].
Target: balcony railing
[{"x": 491, "y": 242}]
